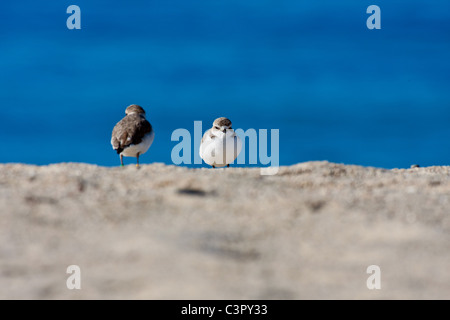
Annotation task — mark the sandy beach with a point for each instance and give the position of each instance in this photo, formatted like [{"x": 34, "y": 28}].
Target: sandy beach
[{"x": 168, "y": 232}]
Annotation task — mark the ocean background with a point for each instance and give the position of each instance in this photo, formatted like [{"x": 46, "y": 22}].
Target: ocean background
[{"x": 336, "y": 90}]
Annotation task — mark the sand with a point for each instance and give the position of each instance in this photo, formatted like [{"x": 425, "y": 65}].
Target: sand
[{"x": 168, "y": 232}]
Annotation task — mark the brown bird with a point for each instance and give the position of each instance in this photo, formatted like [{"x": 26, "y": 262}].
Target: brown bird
[{"x": 133, "y": 135}]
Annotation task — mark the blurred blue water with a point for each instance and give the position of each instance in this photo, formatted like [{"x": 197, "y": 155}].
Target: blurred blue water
[{"x": 335, "y": 90}]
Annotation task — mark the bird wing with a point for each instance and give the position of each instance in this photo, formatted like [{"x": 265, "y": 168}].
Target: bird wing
[
  {"x": 130, "y": 130},
  {"x": 207, "y": 135}
]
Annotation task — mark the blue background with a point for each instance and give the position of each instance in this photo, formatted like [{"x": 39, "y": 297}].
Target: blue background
[{"x": 335, "y": 90}]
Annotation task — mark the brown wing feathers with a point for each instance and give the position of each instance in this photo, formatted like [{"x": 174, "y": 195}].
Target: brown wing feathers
[{"x": 130, "y": 130}]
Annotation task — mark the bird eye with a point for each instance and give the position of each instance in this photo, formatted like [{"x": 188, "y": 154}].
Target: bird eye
[{"x": 216, "y": 127}]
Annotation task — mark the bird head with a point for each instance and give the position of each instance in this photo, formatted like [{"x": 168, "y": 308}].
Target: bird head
[
  {"x": 134, "y": 108},
  {"x": 221, "y": 126}
]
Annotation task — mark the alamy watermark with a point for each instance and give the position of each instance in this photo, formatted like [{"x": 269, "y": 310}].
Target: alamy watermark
[
  {"x": 374, "y": 21},
  {"x": 74, "y": 20},
  {"x": 257, "y": 147},
  {"x": 374, "y": 280},
  {"x": 74, "y": 280}
]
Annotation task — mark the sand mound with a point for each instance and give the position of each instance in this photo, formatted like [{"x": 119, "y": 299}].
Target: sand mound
[{"x": 167, "y": 232}]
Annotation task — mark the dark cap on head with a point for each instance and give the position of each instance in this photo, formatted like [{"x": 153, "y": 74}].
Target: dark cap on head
[
  {"x": 222, "y": 121},
  {"x": 134, "y": 108}
]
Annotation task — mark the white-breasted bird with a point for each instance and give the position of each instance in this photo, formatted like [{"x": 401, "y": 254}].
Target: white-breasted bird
[{"x": 220, "y": 145}]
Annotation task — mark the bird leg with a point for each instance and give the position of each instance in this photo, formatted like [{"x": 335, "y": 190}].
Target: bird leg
[
  {"x": 137, "y": 160},
  {"x": 121, "y": 160}
]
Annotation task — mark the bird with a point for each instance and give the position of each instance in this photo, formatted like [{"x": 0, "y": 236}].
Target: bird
[
  {"x": 220, "y": 145},
  {"x": 133, "y": 135}
]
